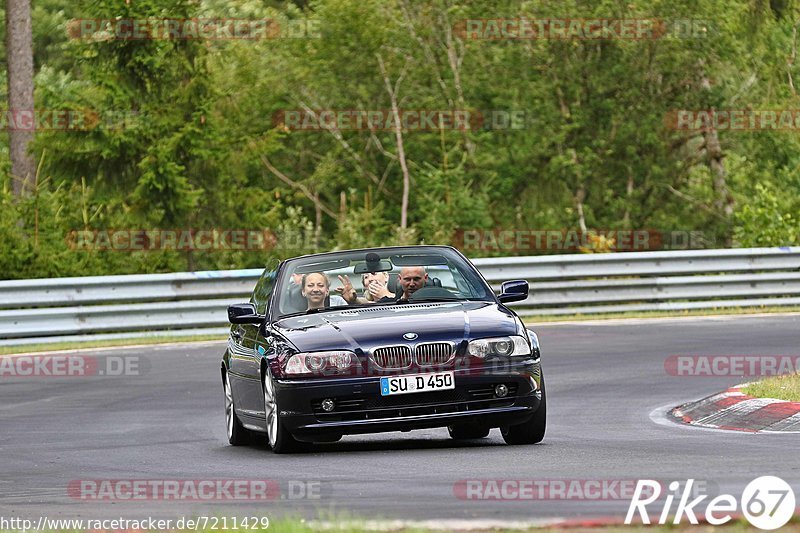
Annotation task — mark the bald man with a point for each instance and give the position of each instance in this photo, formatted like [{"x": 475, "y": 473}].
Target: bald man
[{"x": 411, "y": 280}]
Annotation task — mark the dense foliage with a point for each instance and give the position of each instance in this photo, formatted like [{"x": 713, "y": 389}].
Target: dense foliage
[{"x": 190, "y": 133}]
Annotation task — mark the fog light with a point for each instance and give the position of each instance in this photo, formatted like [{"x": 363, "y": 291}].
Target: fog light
[
  {"x": 327, "y": 405},
  {"x": 501, "y": 391}
]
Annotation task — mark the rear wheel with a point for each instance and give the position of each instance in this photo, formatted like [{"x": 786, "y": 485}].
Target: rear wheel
[
  {"x": 468, "y": 431},
  {"x": 237, "y": 434},
  {"x": 531, "y": 431},
  {"x": 278, "y": 437}
]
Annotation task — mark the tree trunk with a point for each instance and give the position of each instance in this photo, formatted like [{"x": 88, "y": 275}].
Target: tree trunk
[
  {"x": 580, "y": 192},
  {"x": 723, "y": 201},
  {"x": 626, "y": 218},
  {"x": 398, "y": 132},
  {"x": 580, "y": 197},
  {"x": 19, "y": 53},
  {"x": 401, "y": 155}
]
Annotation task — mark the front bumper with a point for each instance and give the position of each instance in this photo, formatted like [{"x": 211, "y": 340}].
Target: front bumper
[{"x": 360, "y": 408}]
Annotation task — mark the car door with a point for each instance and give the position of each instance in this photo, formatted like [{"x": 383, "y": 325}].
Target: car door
[{"x": 245, "y": 358}]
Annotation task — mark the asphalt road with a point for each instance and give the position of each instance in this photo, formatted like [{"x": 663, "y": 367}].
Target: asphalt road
[{"x": 604, "y": 382}]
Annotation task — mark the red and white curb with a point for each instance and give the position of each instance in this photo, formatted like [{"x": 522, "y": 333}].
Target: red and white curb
[{"x": 737, "y": 411}]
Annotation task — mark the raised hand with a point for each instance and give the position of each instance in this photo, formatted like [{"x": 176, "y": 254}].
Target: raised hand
[
  {"x": 378, "y": 290},
  {"x": 346, "y": 290}
]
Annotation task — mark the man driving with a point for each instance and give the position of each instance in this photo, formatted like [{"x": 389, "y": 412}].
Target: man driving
[{"x": 411, "y": 280}]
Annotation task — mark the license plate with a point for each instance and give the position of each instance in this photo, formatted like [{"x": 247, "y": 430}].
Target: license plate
[{"x": 417, "y": 383}]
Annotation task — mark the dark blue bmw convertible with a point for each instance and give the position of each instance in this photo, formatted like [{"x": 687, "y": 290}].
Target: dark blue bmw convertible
[{"x": 382, "y": 339}]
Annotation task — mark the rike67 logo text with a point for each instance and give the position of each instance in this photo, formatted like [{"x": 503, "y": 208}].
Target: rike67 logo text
[{"x": 767, "y": 502}]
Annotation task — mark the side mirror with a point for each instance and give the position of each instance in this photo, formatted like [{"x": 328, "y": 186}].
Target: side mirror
[
  {"x": 513, "y": 291},
  {"x": 244, "y": 314}
]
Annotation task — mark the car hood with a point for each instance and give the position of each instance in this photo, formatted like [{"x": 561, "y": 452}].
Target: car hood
[{"x": 363, "y": 329}]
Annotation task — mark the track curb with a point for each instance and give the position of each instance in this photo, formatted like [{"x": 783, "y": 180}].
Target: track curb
[{"x": 735, "y": 411}]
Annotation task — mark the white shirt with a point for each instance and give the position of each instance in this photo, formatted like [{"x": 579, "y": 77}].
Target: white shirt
[{"x": 337, "y": 300}]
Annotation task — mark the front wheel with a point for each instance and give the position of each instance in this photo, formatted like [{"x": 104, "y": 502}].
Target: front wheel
[
  {"x": 278, "y": 437},
  {"x": 531, "y": 431}
]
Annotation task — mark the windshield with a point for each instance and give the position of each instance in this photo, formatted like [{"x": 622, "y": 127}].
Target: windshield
[{"x": 380, "y": 276}]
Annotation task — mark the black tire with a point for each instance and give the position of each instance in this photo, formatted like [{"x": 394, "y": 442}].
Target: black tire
[
  {"x": 237, "y": 434},
  {"x": 279, "y": 439},
  {"x": 531, "y": 431},
  {"x": 468, "y": 431}
]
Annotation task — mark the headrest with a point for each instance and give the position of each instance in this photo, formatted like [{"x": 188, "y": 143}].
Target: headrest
[{"x": 394, "y": 282}]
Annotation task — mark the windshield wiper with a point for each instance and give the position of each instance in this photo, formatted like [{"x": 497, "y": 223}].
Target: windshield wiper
[
  {"x": 331, "y": 308},
  {"x": 428, "y": 300},
  {"x": 312, "y": 311}
]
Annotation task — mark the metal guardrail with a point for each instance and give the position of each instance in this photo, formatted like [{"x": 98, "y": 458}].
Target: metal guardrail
[{"x": 44, "y": 310}]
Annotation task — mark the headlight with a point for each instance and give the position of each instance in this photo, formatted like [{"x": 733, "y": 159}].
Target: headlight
[
  {"x": 499, "y": 346},
  {"x": 319, "y": 362}
]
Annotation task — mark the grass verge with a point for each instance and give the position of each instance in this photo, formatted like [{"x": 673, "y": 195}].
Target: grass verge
[{"x": 779, "y": 387}]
